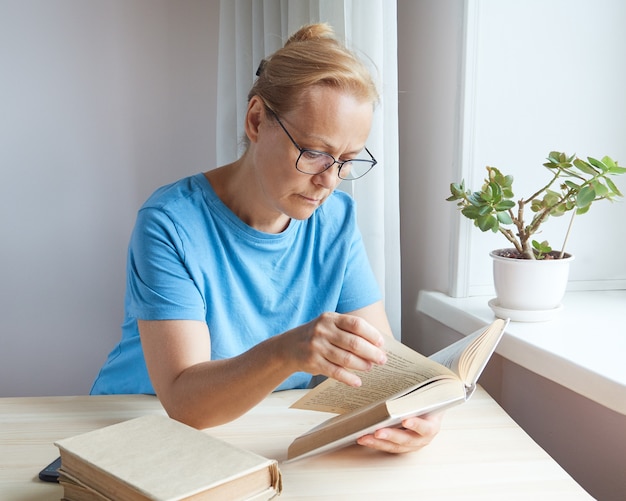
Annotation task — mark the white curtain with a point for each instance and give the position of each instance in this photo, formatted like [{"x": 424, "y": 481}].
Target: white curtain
[{"x": 253, "y": 29}]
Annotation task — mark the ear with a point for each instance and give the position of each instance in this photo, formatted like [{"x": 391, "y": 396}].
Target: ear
[{"x": 254, "y": 117}]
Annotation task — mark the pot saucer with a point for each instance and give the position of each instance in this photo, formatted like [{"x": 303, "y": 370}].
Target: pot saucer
[{"x": 524, "y": 315}]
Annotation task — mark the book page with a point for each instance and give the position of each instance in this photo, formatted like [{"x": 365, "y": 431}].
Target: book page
[
  {"x": 469, "y": 355},
  {"x": 405, "y": 370},
  {"x": 450, "y": 356}
]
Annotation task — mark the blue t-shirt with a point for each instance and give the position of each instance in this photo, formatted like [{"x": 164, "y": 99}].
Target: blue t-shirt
[{"x": 191, "y": 258}]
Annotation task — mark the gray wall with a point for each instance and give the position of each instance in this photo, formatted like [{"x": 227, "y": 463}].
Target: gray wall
[
  {"x": 430, "y": 47},
  {"x": 100, "y": 103}
]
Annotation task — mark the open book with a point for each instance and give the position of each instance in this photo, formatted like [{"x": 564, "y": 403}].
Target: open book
[{"x": 409, "y": 384}]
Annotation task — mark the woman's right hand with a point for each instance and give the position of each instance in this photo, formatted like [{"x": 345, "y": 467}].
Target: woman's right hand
[{"x": 333, "y": 344}]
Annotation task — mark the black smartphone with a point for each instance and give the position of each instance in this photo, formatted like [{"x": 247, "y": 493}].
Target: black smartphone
[{"x": 51, "y": 472}]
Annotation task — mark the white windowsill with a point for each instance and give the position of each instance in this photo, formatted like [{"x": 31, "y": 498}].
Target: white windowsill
[{"x": 583, "y": 348}]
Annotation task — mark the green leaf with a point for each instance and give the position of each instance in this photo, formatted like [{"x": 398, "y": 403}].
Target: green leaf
[
  {"x": 470, "y": 212},
  {"x": 487, "y": 223},
  {"x": 542, "y": 246},
  {"x": 536, "y": 206},
  {"x": 585, "y": 196},
  {"x": 600, "y": 189},
  {"x": 476, "y": 199},
  {"x": 505, "y": 205},
  {"x": 584, "y": 167},
  {"x": 571, "y": 185},
  {"x": 504, "y": 217},
  {"x": 456, "y": 190},
  {"x": 569, "y": 204},
  {"x": 551, "y": 198},
  {"x": 613, "y": 188},
  {"x": 496, "y": 191},
  {"x": 583, "y": 210},
  {"x": 555, "y": 156},
  {"x": 608, "y": 161},
  {"x": 551, "y": 165},
  {"x": 487, "y": 193},
  {"x": 598, "y": 164},
  {"x": 485, "y": 209}
]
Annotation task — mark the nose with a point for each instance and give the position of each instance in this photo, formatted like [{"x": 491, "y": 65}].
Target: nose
[{"x": 329, "y": 178}]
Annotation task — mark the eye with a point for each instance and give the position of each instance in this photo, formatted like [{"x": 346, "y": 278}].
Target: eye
[
  {"x": 313, "y": 155},
  {"x": 318, "y": 158}
]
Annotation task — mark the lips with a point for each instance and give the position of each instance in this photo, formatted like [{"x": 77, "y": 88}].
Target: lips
[{"x": 313, "y": 200}]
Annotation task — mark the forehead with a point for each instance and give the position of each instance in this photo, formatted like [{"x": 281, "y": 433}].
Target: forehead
[
  {"x": 333, "y": 117},
  {"x": 329, "y": 97}
]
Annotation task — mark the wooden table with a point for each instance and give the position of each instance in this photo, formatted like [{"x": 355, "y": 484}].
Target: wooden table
[{"x": 479, "y": 454}]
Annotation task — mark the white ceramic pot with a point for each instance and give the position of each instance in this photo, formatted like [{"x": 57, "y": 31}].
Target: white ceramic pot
[{"x": 530, "y": 285}]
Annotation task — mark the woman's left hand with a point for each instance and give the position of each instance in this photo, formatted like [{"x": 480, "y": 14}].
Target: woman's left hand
[{"x": 416, "y": 433}]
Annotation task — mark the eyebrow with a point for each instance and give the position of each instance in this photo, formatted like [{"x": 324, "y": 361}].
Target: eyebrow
[{"x": 329, "y": 147}]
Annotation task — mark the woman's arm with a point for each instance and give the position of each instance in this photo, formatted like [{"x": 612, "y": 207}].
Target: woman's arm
[{"x": 202, "y": 392}]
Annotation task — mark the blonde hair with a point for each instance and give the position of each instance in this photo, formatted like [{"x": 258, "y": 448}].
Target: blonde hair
[{"x": 312, "y": 56}]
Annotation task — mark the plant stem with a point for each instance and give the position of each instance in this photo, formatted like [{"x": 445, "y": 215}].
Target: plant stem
[
  {"x": 540, "y": 191},
  {"x": 510, "y": 236}
]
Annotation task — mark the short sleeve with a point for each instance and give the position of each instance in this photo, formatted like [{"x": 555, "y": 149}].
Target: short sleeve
[{"x": 159, "y": 285}]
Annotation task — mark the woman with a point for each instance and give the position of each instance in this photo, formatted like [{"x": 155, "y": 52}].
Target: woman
[{"x": 252, "y": 277}]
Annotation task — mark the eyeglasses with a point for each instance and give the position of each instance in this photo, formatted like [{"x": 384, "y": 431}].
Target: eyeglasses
[{"x": 315, "y": 162}]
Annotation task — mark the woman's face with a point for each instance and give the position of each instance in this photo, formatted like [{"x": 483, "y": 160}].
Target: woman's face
[{"x": 328, "y": 120}]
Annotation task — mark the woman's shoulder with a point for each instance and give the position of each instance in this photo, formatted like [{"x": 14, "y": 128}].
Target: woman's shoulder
[{"x": 180, "y": 191}]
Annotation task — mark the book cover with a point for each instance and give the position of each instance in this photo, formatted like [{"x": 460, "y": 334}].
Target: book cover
[{"x": 157, "y": 458}]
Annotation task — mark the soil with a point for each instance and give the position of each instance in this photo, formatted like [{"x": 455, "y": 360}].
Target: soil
[{"x": 514, "y": 254}]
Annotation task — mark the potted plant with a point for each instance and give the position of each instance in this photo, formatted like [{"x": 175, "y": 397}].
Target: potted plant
[{"x": 573, "y": 186}]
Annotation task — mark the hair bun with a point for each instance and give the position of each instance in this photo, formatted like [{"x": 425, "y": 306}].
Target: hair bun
[
  {"x": 317, "y": 31},
  {"x": 312, "y": 56}
]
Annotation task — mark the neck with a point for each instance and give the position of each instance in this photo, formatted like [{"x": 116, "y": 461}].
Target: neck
[{"x": 235, "y": 185}]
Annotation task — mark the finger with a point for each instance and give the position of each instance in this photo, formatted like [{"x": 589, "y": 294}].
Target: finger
[
  {"x": 393, "y": 441},
  {"x": 428, "y": 425},
  {"x": 344, "y": 376},
  {"x": 397, "y": 441},
  {"x": 346, "y": 341},
  {"x": 329, "y": 345},
  {"x": 360, "y": 327},
  {"x": 355, "y": 347},
  {"x": 342, "y": 370},
  {"x": 354, "y": 353}
]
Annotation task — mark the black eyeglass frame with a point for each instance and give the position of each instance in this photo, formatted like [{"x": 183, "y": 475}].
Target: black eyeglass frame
[{"x": 302, "y": 151}]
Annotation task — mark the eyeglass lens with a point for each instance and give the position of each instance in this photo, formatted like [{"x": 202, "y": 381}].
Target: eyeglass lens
[{"x": 316, "y": 162}]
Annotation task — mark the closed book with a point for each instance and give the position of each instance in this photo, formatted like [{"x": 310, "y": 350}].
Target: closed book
[{"x": 157, "y": 458}]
